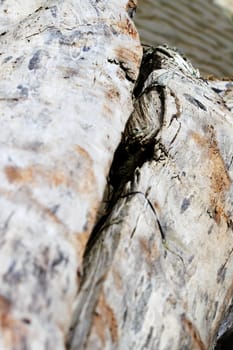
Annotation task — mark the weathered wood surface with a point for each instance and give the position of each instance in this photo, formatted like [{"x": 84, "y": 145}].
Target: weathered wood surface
[
  {"x": 65, "y": 68},
  {"x": 158, "y": 266},
  {"x": 158, "y": 271}
]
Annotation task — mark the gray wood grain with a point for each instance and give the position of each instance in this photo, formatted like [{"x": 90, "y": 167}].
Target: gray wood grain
[
  {"x": 65, "y": 68},
  {"x": 158, "y": 274}
]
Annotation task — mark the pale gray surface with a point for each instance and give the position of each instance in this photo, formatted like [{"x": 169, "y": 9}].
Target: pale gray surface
[
  {"x": 159, "y": 274},
  {"x": 65, "y": 67}
]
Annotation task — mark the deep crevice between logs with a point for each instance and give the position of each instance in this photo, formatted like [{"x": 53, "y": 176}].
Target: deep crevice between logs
[
  {"x": 130, "y": 155},
  {"x": 224, "y": 339},
  {"x": 125, "y": 69},
  {"x": 225, "y": 342}
]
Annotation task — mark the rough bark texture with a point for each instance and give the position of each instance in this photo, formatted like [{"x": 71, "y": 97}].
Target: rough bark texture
[
  {"x": 65, "y": 68},
  {"x": 157, "y": 269}
]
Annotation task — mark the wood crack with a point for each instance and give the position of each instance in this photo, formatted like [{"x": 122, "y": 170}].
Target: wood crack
[{"x": 124, "y": 67}]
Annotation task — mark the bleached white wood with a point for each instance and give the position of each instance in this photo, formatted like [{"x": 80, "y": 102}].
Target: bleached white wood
[
  {"x": 67, "y": 70},
  {"x": 158, "y": 267},
  {"x": 158, "y": 274}
]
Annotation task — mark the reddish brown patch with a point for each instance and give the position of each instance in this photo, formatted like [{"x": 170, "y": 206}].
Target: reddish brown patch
[
  {"x": 193, "y": 333},
  {"x": 219, "y": 212},
  {"x": 103, "y": 319},
  {"x": 150, "y": 251},
  {"x": 117, "y": 279},
  {"x": 15, "y": 174},
  {"x": 144, "y": 246},
  {"x": 13, "y": 331},
  {"x": 127, "y": 55},
  {"x": 78, "y": 241},
  {"x": 86, "y": 173},
  {"x": 127, "y": 27},
  {"x": 219, "y": 177},
  {"x": 156, "y": 206},
  {"x": 83, "y": 153},
  {"x": 200, "y": 140},
  {"x": 57, "y": 177},
  {"x": 129, "y": 60},
  {"x": 220, "y": 181},
  {"x": 5, "y": 307},
  {"x": 31, "y": 175},
  {"x": 99, "y": 327},
  {"x": 82, "y": 239},
  {"x": 112, "y": 94}
]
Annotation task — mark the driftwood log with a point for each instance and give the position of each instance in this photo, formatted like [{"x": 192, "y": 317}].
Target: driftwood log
[
  {"x": 110, "y": 241},
  {"x": 65, "y": 68}
]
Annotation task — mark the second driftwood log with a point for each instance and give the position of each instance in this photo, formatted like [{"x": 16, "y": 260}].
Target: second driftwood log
[{"x": 159, "y": 266}]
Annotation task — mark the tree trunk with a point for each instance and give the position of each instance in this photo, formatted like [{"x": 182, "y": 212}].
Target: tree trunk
[{"x": 156, "y": 270}]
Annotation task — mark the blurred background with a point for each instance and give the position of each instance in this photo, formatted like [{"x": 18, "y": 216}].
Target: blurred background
[{"x": 201, "y": 29}]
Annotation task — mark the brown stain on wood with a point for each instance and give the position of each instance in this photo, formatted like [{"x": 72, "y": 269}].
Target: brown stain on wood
[
  {"x": 127, "y": 55},
  {"x": 34, "y": 175},
  {"x": 99, "y": 327},
  {"x": 129, "y": 61},
  {"x": 16, "y": 174},
  {"x": 59, "y": 176},
  {"x": 220, "y": 181},
  {"x": 117, "y": 278},
  {"x": 13, "y": 331},
  {"x": 193, "y": 332},
  {"x": 103, "y": 319},
  {"x": 5, "y": 307},
  {"x": 87, "y": 176},
  {"x": 83, "y": 153},
  {"x": 80, "y": 244},
  {"x": 149, "y": 250},
  {"x": 31, "y": 174},
  {"x": 127, "y": 27},
  {"x": 112, "y": 94},
  {"x": 156, "y": 206}
]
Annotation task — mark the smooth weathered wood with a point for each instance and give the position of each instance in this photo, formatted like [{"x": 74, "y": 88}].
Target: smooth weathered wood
[
  {"x": 67, "y": 70},
  {"x": 158, "y": 263},
  {"x": 158, "y": 272}
]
